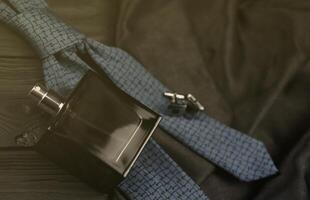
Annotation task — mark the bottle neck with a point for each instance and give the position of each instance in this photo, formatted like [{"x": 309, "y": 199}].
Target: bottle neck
[{"x": 48, "y": 100}]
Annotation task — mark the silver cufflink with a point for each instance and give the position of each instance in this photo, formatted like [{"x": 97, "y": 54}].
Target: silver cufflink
[{"x": 181, "y": 103}]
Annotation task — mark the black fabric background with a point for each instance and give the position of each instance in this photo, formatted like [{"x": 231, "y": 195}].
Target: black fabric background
[{"x": 248, "y": 62}]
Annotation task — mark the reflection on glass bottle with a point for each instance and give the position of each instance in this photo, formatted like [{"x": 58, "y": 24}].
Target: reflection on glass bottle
[{"x": 98, "y": 124}]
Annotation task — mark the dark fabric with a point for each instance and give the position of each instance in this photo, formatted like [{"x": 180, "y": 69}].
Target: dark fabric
[
  {"x": 247, "y": 61},
  {"x": 294, "y": 182}
]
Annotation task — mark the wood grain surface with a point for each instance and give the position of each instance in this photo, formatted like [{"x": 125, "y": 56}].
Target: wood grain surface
[{"x": 24, "y": 174}]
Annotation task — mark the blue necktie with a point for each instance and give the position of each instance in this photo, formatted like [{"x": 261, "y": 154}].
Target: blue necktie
[{"x": 58, "y": 44}]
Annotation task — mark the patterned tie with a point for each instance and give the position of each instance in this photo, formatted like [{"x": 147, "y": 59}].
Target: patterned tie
[{"x": 154, "y": 173}]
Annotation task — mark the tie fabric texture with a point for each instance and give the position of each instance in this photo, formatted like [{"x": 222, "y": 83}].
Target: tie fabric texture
[{"x": 154, "y": 174}]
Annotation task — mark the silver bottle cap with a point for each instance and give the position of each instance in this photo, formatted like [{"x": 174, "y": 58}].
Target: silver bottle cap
[{"x": 48, "y": 100}]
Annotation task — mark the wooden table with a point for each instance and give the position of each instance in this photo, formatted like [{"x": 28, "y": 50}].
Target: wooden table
[{"x": 24, "y": 174}]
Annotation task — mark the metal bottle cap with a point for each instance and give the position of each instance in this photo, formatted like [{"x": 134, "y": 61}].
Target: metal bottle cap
[{"x": 50, "y": 101}]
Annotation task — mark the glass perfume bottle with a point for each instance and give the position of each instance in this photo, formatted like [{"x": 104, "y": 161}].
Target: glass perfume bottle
[{"x": 98, "y": 132}]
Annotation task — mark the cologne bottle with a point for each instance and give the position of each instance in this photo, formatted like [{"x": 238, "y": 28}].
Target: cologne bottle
[{"x": 97, "y": 133}]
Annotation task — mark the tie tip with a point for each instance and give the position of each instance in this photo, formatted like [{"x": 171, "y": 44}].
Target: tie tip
[{"x": 262, "y": 173}]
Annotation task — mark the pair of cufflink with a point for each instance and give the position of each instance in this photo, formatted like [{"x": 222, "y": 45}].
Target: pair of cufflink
[{"x": 180, "y": 103}]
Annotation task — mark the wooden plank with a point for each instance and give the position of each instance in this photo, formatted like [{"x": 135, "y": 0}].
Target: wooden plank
[
  {"x": 96, "y": 19},
  {"x": 17, "y": 76},
  {"x": 25, "y": 174}
]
